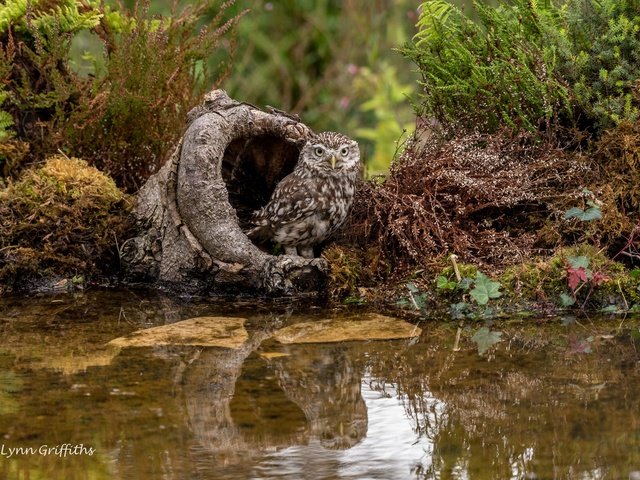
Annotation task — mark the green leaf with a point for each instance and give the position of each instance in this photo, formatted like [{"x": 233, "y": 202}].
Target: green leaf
[
  {"x": 421, "y": 300},
  {"x": 485, "y": 339},
  {"x": 610, "y": 309},
  {"x": 488, "y": 313},
  {"x": 458, "y": 310},
  {"x": 354, "y": 300},
  {"x": 573, "y": 212},
  {"x": 566, "y": 300},
  {"x": 485, "y": 289},
  {"x": 592, "y": 213},
  {"x": 465, "y": 283},
  {"x": 404, "y": 303},
  {"x": 578, "y": 262},
  {"x": 412, "y": 288},
  {"x": 443, "y": 283}
]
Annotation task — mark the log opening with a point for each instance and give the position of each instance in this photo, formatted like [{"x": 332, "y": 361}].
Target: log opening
[{"x": 251, "y": 169}]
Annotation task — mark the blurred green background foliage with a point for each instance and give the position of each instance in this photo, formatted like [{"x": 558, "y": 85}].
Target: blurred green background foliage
[
  {"x": 112, "y": 81},
  {"x": 332, "y": 62}
]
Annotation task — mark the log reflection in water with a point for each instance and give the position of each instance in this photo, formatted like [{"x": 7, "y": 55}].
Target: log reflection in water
[{"x": 311, "y": 394}]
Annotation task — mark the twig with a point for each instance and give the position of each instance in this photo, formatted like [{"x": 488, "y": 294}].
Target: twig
[
  {"x": 63, "y": 154},
  {"x": 631, "y": 255},
  {"x": 118, "y": 250},
  {"x": 453, "y": 258},
  {"x": 413, "y": 301},
  {"x": 626, "y": 305}
]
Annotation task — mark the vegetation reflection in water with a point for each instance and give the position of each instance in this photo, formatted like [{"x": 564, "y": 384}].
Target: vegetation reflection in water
[{"x": 551, "y": 400}]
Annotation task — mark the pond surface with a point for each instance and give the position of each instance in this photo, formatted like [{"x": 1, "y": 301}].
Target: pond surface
[{"x": 556, "y": 398}]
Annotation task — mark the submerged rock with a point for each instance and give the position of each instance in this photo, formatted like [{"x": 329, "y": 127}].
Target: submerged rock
[
  {"x": 366, "y": 327},
  {"x": 272, "y": 355},
  {"x": 225, "y": 332}
]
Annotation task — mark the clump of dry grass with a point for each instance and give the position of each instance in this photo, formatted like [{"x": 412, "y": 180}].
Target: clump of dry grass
[
  {"x": 484, "y": 197},
  {"x": 64, "y": 218}
]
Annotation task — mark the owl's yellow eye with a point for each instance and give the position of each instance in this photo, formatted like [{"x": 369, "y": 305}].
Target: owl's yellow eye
[
  {"x": 344, "y": 152},
  {"x": 319, "y": 151}
]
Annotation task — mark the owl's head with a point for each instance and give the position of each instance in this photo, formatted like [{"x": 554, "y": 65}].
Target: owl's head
[{"x": 330, "y": 152}]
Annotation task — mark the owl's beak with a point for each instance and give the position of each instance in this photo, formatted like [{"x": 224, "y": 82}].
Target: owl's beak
[{"x": 333, "y": 161}]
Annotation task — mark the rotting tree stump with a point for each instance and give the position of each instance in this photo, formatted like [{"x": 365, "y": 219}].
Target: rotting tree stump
[{"x": 192, "y": 212}]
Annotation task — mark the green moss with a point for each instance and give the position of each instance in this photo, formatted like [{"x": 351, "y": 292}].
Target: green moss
[
  {"x": 540, "y": 280},
  {"x": 466, "y": 270},
  {"x": 345, "y": 270},
  {"x": 547, "y": 279},
  {"x": 61, "y": 219}
]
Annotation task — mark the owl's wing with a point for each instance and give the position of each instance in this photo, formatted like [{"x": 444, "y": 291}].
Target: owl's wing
[{"x": 293, "y": 199}]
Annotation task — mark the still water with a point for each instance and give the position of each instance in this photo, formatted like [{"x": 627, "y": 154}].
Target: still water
[{"x": 555, "y": 399}]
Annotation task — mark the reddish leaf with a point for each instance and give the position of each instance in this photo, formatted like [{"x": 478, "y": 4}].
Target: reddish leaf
[
  {"x": 575, "y": 276},
  {"x": 579, "y": 345},
  {"x": 598, "y": 278}
]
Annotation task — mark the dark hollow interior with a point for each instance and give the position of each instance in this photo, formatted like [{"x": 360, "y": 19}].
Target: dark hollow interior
[{"x": 251, "y": 169}]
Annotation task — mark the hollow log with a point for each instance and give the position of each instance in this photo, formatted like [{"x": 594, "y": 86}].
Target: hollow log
[{"x": 192, "y": 212}]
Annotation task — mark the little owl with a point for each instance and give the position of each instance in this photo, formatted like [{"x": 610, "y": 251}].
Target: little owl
[{"x": 312, "y": 202}]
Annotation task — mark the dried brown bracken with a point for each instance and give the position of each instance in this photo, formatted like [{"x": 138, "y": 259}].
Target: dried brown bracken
[{"x": 483, "y": 197}]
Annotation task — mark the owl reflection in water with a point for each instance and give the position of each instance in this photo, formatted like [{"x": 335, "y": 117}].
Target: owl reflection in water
[{"x": 312, "y": 202}]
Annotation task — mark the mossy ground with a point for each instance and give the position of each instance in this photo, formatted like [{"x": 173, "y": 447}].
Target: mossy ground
[
  {"x": 63, "y": 219},
  {"x": 539, "y": 285}
]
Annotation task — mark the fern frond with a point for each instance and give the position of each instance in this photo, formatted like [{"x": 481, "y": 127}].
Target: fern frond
[
  {"x": 6, "y": 122},
  {"x": 434, "y": 21},
  {"x": 11, "y": 11},
  {"x": 63, "y": 18},
  {"x": 66, "y": 19},
  {"x": 490, "y": 72}
]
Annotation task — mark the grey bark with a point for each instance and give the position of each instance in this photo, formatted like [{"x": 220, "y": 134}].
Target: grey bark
[{"x": 190, "y": 235}]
